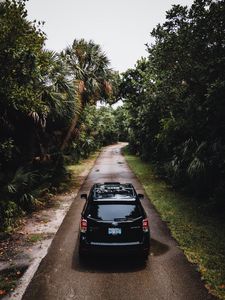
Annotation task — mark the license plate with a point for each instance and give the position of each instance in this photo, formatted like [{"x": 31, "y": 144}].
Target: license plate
[{"x": 114, "y": 231}]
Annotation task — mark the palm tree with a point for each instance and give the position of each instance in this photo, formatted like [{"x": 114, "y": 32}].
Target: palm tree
[
  {"x": 57, "y": 93},
  {"x": 90, "y": 70}
]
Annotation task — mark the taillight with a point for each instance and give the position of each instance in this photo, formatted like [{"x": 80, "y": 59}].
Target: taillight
[
  {"x": 145, "y": 225},
  {"x": 83, "y": 225}
]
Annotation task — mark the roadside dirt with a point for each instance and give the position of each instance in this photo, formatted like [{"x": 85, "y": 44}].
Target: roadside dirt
[{"x": 22, "y": 251}]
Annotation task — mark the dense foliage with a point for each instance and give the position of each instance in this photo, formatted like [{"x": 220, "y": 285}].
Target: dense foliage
[
  {"x": 97, "y": 127},
  {"x": 176, "y": 102},
  {"x": 174, "y": 111},
  {"x": 43, "y": 115}
]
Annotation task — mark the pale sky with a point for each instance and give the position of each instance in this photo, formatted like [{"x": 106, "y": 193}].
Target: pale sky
[{"x": 121, "y": 27}]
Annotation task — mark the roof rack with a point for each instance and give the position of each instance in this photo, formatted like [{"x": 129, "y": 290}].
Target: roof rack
[{"x": 112, "y": 183}]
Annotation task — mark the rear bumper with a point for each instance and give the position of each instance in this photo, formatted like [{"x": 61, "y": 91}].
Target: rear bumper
[{"x": 131, "y": 248}]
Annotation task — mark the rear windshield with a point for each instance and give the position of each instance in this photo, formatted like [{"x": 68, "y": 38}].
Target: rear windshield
[{"x": 114, "y": 212}]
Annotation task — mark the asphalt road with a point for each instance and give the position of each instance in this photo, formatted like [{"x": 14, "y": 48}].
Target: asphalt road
[{"x": 166, "y": 276}]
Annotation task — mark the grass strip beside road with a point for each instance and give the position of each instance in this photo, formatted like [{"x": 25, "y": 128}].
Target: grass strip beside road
[{"x": 201, "y": 236}]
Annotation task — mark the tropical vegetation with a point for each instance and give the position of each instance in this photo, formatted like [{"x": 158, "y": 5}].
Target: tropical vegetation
[
  {"x": 173, "y": 113},
  {"x": 175, "y": 100},
  {"x": 47, "y": 114},
  {"x": 173, "y": 117}
]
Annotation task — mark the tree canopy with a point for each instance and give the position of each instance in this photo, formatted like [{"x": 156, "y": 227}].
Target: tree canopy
[
  {"x": 46, "y": 112},
  {"x": 173, "y": 113},
  {"x": 176, "y": 102}
]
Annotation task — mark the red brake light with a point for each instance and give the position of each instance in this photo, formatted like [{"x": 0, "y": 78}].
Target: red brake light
[
  {"x": 145, "y": 225},
  {"x": 83, "y": 225}
]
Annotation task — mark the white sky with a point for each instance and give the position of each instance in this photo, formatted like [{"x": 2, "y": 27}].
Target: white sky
[{"x": 121, "y": 27}]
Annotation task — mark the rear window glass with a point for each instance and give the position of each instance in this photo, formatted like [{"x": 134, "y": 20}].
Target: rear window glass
[{"x": 114, "y": 211}]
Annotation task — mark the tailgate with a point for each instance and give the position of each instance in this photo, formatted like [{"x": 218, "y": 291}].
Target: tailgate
[{"x": 125, "y": 231}]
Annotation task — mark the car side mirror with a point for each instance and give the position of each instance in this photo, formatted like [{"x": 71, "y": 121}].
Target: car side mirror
[
  {"x": 140, "y": 196},
  {"x": 83, "y": 196}
]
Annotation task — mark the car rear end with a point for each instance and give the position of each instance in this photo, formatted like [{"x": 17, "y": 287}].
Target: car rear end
[{"x": 114, "y": 227}]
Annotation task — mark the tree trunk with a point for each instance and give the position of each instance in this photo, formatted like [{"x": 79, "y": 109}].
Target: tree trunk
[
  {"x": 76, "y": 117},
  {"x": 69, "y": 132}
]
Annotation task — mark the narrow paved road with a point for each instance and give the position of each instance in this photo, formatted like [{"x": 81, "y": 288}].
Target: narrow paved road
[{"x": 166, "y": 276}]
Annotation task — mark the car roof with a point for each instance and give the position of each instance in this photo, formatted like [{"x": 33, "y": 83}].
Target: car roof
[{"x": 114, "y": 191}]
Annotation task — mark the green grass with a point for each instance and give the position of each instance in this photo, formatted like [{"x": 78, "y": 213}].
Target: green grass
[
  {"x": 200, "y": 235},
  {"x": 35, "y": 237}
]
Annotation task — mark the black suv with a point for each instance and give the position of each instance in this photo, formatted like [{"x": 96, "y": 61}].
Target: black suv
[{"x": 113, "y": 221}]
